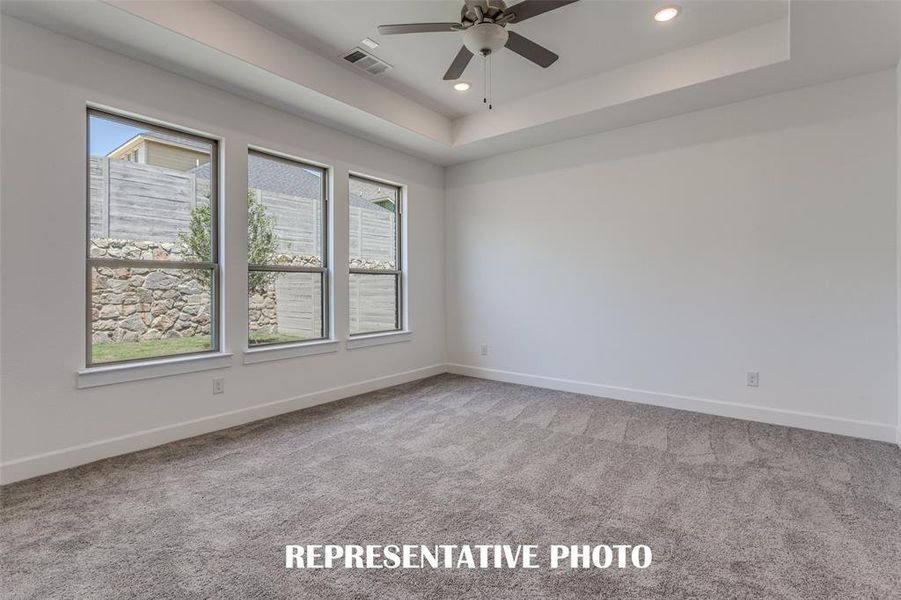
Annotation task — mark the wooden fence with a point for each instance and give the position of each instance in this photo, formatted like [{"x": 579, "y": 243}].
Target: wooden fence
[
  {"x": 134, "y": 201},
  {"x": 372, "y": 234}
]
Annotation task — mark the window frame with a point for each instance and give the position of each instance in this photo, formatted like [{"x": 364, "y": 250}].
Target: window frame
[
  {"x": 324, "y": 270},
  {"x": 398, "y": 272},
  {"x": 214, "y": 265}
]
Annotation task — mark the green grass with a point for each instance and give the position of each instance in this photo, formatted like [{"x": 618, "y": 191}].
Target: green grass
[
  {"x": 116, "y": 351},
  {"x": 264, "y": 337}
]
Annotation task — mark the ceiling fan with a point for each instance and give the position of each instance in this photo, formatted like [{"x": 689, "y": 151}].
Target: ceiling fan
[{"x": 483, "y": 23}]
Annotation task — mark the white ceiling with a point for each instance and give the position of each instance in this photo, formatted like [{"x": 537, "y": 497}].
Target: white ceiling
[
  {"x": 591, "y": 36},
  {"x": 617, "y": 68}
]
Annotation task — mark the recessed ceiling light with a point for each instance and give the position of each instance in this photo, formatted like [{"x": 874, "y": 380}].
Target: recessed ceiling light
[
  {"x": 370, "y": 43},
  {"x": 667, "y": 13},
  {"x": 461, "y": 86}
]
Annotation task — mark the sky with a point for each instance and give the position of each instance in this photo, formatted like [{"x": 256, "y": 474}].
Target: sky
[{"x": 107, "y": 135}]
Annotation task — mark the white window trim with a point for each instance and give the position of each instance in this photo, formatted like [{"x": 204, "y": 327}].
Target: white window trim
[
  {"x": 378, "y": 339},
  {"x": 151, "y": 369},
  {"x": 284, "y": 351}
]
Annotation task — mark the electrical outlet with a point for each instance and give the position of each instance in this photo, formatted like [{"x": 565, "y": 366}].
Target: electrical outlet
[
  {"x": 484, "y": 349},
  {"x": 753, "y": 379},
  {"x": 218, "y": 385}
]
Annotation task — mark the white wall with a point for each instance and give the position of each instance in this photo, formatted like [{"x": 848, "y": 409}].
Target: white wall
[
  {"x": 661, "y": 262},
  {"x": 898, "y": 189},
  {"x": 47, "y": 423}
]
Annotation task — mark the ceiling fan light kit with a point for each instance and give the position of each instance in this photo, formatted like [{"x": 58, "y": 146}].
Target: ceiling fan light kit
[
  {"x": 483, "y": 23},
  {"x": 485, "y": 38}
]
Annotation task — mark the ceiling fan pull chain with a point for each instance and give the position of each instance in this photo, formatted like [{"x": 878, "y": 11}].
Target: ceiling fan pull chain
[
  {"x": 489, "y": 82},
  {"x": 484, "y": 79}
]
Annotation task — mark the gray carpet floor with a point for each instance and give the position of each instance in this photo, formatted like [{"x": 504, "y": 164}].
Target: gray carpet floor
[{"x": 731, "y": 509}]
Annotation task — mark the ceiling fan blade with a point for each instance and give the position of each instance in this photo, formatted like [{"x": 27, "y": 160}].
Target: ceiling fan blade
[
  {"x": 532, "y": 8},
  {"x": 526, "y": 48},
  {"x": 418, "y": 28},
  {"x": 459, "y": 65}
]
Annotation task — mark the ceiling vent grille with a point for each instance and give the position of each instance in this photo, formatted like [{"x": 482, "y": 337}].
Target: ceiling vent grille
[{"x": 366, "y": 61}]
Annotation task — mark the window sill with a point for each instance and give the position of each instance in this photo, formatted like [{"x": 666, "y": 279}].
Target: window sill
[
  {"x": 281, "y": 352},
  {"x": 377, "y": 339},
  {"x": 151, "y": 369}
]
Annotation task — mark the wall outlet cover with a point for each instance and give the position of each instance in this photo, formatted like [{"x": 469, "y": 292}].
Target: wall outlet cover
[{"x": 753, "y": 379}]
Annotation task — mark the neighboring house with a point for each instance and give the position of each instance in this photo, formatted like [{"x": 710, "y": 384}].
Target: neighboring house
[{"x": 161, "y": 150}]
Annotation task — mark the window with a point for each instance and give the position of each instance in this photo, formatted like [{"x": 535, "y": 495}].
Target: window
[
  {"x": 375, "y": 261},
  {"x": 152, "y": 247},
  {"x": 287, "y": 249}
]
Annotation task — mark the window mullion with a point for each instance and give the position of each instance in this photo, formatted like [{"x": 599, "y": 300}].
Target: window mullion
[
  {"x": 375, "y": 272},
  {"x": 115, "y": 263},
  {"x": 286, "y": 269}
]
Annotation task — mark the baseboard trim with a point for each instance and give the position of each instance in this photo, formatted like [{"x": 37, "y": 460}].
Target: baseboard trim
[
  {"x": 774, "y": 416},
  {"x": 57, "y": 460}
]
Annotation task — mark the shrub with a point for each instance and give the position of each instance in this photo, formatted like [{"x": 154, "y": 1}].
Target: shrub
[{"x": 261, "y": 239}]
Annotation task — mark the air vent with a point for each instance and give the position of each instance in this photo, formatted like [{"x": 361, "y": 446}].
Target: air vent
[{"x": 366, "y": 61}]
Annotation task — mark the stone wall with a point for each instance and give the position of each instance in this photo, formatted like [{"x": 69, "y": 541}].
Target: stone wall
[
  {"x": 135, "y": 304},
  {"x": 130, "y": 304},
  {"x": 372, "y": 264}
]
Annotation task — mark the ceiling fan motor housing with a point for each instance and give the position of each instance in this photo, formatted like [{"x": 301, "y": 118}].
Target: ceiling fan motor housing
[{"x": 485, "y": 38}]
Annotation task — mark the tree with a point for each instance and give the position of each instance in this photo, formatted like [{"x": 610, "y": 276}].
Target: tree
[{"x": 261, "y": 239}]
